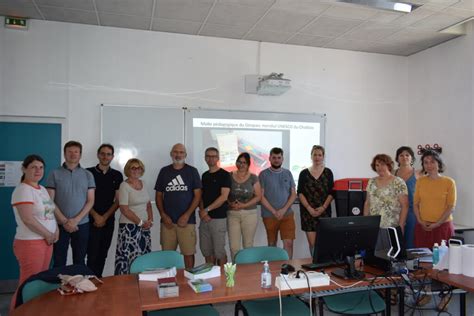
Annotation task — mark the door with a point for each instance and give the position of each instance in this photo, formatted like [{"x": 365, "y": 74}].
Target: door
[{"x": 18, "y": 141}]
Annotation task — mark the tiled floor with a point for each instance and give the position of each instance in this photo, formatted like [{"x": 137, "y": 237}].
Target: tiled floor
[{"x": 227, "y": 309}]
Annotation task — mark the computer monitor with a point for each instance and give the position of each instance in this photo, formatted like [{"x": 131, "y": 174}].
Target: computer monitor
[{"x": 339, "y": 239}]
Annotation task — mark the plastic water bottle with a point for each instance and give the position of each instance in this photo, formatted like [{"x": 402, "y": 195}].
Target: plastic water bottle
[
  {"x": 266, "y": 280},
  {"x": 435, "y": 253},
  {"x": 443, "y": 251}
]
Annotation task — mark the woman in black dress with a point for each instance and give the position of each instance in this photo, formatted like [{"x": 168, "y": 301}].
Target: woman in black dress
[{"x": 315, "y": 191}]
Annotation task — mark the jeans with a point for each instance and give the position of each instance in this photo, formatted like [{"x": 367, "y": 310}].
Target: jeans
[{"x": 78, "y": 240}]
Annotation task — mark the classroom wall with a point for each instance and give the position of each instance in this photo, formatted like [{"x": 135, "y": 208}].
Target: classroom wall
[
  {"x": 441, "y": 109},
  {"x": 68, "y": 70}
]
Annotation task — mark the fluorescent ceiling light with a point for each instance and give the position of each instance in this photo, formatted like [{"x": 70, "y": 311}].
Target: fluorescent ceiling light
[
  {"x": 385, "y": 5},
  {"x": 402, "y": 7}
]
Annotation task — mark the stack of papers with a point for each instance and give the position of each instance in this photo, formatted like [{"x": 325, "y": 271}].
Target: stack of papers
[
  {"x": 155, "y": 274},
  {"x": 204, "y": 271}
]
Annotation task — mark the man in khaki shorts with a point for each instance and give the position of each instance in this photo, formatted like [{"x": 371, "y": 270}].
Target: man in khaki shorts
[
  {"x": 178, "y": 192},
  {"x": 278, "y": 194}
]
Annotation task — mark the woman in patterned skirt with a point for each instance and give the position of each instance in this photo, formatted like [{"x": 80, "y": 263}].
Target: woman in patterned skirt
[
  {"x": 136, "y": 219},
  {"x": 315, "y": 191}
]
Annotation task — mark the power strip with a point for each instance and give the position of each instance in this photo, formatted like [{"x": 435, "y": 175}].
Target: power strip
[{"x": 286, "y": 282}]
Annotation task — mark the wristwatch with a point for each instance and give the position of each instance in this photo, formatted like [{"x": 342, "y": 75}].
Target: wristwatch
[
  {"x": 207, "y": 209},
  {"x": 140, "y": 224}
]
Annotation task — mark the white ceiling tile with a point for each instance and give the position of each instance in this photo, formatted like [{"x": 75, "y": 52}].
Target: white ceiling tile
[
  {"x": 371, "y": 31},
  {"x": 126, "y": 21},
  {"x": 302, "y": 6},
  {"x": 309, "y": 40},
  {"x": 226, "y": 31},
  {"x": 465, "y": 4},
  {"x": 69, "y": 15},
  {"x": 70, "y": 4},
  {"x": 11, "y": 8},
  {"x": 130, "y": 7},
  {"x": 330, "y": 27},
  {"x": 250, "y": 3},
  {"x": 387, "y": 48},
  {"x": 268, "y": 36},
  {"x": 235, "y": 15},
  {"x": 413, "y": 17},
  {"x": 385, "y": 17},
  {"x": 350, "y": 12},
  {"x": 418, "y": 37},
  {"x": 175, "y": 26},
  {"x": 284, "y": 21},
  {"x": 443, "y": 3},
  {"x": 194, "y": 11},
  {"x": 462, "y": 13},
  {"x": 348, "y": 44},
  {"x": 437, "y": 22}
]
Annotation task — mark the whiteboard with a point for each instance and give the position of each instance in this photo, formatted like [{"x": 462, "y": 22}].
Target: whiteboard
[{"x": 142, "y": 132}]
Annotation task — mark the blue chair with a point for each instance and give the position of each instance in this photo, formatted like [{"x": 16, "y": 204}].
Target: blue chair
[
  {"x": 166, "y": 259},
  {"x": 156, "y": 260},
  {"x": 267, "y": 307},
  {"x": 35, "y": 288},
  {"x": 355, "y": 303}
]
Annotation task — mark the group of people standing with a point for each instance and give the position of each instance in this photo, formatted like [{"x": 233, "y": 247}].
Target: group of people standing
[
  {"x": 419, "y": 202},
  {"x": 78, "y": 206}
]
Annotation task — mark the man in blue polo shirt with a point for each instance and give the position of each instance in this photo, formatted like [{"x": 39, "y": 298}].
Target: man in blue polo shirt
[
  {"x": 101, "y": 216},
  {"x": 72, "y": 189},
  {"x": 178, "y": 192}
]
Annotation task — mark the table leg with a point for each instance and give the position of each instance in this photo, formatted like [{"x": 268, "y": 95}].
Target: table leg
[
  {"x": 462, "y": 304},
  {"x": 388, "y": 305},
  {"x": 401, "y": 300}
]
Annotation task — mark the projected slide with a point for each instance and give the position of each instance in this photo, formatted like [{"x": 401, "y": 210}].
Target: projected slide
[{"x": 257, "y": 137}]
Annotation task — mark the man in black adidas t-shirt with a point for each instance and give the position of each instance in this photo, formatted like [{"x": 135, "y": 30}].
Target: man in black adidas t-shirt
[
  {"x": 178, "y": 192},
  {"x": 216, "y": 185}
]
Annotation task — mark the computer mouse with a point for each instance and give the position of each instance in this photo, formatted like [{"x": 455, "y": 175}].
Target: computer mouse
[{"x": 286, "y": 268}]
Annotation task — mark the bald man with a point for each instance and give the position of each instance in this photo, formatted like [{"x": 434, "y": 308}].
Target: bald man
[{"x": 178, "y": 192}]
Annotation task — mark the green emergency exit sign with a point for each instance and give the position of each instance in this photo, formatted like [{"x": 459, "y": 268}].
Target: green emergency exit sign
[{"x": 16, "y": 23}]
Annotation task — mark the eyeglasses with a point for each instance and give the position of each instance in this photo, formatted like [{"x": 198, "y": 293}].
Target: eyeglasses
[
  {"x": 106, "y": 154},
  {"x": 241, "y": 162},
  {"x": 136, "y": 168},
  {"x": 212, "y": 156}
]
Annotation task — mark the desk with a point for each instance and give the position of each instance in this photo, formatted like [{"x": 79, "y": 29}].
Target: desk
[
  {"x": 456, "y": 280},
  {"x": 124, "y": 295},
  {"x": 118, "y": 295},
  {"x": 247, "y": 286}
]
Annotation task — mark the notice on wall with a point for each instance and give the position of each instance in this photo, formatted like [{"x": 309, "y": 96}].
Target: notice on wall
[{"x": 10, "y": 173}]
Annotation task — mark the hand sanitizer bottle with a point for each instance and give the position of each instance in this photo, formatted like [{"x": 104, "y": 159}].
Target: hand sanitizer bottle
[
  {"x": 266, "y": 280},
  {"x": 435, "y": 253},
  {"x": 443, "y": 251}
]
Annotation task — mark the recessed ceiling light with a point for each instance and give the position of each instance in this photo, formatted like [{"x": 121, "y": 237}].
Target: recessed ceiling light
[{"x": 404, "y": 7}]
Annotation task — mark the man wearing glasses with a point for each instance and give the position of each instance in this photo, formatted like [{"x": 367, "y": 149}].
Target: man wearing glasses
[
  {"x": 101, "y": 216},
  {"x": 213, "y": 207}
]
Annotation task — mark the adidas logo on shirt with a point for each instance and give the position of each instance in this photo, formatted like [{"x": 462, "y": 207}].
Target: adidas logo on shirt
[{"x": 177, "y": 184}]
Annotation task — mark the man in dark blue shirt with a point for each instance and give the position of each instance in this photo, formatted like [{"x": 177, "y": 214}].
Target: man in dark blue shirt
[
  {"x": 102, "y": 215},
  {"x": 178, "y": 192}
]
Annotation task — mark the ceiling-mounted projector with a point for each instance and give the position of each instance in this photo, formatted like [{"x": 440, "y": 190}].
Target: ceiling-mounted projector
[{"x": 273, "y": 84}]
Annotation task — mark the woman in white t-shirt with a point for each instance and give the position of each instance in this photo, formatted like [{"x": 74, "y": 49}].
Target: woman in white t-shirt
[
  {"x": 136, "y": 218},
  {"x": 37, "y": 229}
]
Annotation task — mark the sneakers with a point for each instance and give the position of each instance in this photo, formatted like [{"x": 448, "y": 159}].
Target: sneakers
[
  {"x": 423, "y": 300},
  {"x": 443, "y": 303}
]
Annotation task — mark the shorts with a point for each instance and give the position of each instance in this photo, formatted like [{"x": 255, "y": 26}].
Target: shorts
[
  {"x": 185, "y": 237},
  {"x": 286, "y": 226},
  {"x": 212, "y": 238}
]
